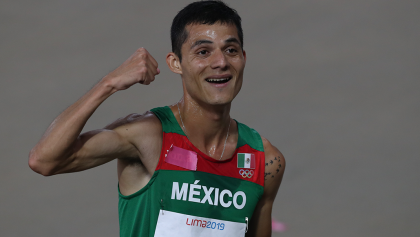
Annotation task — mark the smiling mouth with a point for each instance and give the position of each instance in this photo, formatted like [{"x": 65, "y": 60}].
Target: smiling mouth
[{"x": 218, "y": 80}]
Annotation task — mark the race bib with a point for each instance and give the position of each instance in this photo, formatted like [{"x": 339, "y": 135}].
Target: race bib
[{"x": 177, "y": 224}]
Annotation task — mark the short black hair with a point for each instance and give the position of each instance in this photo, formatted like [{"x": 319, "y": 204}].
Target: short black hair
[{"x": 202, "y": 12}]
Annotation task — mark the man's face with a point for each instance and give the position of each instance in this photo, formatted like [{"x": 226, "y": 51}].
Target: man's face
[{"x": 212, "y": 63}]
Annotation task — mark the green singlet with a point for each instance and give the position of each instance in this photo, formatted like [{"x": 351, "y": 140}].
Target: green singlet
[{"x": 196, "y": 195}]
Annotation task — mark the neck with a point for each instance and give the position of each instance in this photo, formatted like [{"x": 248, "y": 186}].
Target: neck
[{"x": 206, "y": 125}]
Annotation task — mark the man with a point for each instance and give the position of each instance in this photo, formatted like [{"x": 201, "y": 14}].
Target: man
[{"x": 183, "y": 170}]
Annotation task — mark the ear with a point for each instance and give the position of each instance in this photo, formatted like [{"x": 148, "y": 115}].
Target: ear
[
  {"x": 244, "y": 53},
  {"x": 173, "y": 63}
]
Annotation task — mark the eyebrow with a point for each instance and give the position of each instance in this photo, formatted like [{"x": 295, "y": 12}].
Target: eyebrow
[
  {"x": 200, "y": 42},
  {"x": 232, "y": 40}
]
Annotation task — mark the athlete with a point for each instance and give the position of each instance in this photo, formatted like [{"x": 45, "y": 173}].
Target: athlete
[{"x": 187, "y": 169}]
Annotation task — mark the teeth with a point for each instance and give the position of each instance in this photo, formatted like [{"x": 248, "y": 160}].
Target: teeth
[{"x": 221, "y": 79}]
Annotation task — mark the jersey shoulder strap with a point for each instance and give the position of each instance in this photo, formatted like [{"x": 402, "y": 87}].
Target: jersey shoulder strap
[
  {"x": 249, "y": 136},
  {"x": 168, "y": 120}
]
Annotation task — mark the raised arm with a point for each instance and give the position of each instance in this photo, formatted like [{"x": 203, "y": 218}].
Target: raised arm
[
  {"x": 260, "y": 224},
  {"x": 62, "y": 149}
]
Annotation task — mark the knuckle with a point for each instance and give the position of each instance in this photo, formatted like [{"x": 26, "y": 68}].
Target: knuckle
[
  {"x": 141, "y": 53},
  {"x": 141, "y": 63},
  {"x": 143, "y": 70}
]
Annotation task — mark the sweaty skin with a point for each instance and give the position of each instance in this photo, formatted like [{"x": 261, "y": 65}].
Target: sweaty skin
[{"x": 211, "y": 52}]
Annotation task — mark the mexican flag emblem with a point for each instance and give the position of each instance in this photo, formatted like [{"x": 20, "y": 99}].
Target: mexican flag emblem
[{"x": 246, "y": 160}]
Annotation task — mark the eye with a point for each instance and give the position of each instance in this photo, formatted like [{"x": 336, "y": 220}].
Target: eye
[
  {"x": 232, "y": 50},
  {"x": 203, "y": 52}
]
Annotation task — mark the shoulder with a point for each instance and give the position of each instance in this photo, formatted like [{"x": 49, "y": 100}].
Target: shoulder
[
  {"x": 272, "y": 153},
  {"x": 135, "y": 121},
  {"x": 135, "y": 127},
  {"x": 274, "y": 168}
]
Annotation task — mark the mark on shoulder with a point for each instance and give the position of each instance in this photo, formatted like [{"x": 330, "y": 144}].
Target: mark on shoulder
[{"x": 274, "y": 161}]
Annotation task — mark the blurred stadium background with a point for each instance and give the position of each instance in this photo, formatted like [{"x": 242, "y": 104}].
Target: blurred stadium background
[{"x": 333, "y": 84}]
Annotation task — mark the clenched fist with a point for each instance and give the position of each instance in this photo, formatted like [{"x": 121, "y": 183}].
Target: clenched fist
[{"x": 141, "y": 68}]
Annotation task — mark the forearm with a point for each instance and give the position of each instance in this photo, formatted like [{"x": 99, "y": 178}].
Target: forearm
[
  {"x": 58, "y": 142},
  {"x": 260, "y": 224}
]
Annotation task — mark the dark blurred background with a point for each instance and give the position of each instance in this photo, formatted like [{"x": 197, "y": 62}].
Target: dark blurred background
[{"x": 333, "y": 84}]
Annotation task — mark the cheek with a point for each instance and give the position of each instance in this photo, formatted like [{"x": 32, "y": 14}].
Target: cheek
[
  {"x": 238, "y": 63},
  {"x": 196, "y": 67}
]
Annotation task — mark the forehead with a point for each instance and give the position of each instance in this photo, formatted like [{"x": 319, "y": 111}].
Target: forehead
[{"x": 213, "y": 32}]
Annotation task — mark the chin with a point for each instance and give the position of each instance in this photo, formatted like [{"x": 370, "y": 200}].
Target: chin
[{"x": 220, "y": 101}]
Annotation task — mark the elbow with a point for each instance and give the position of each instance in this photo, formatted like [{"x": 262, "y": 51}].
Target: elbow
[{"x": 36, "y": 165}]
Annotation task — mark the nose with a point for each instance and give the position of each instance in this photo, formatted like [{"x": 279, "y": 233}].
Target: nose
[{"x": 219, "y": 60}]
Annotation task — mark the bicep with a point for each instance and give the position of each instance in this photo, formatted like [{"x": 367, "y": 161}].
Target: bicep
[
  {"x": 95, "y": 148},
  {"x": 274, "y": 170}
]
